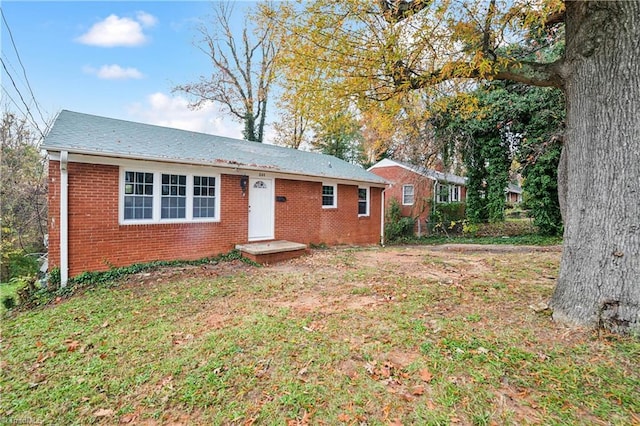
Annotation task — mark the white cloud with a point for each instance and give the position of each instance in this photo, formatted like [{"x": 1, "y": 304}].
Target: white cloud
[
  {"x": 147, "y": 20},
  {"x": 173, "y": 111},
  {"x": 114, "y": 72},
  {"x": 115, "y": 31}
]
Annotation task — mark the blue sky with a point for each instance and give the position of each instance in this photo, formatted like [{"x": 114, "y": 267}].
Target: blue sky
[{"x": 117, "y": 59}]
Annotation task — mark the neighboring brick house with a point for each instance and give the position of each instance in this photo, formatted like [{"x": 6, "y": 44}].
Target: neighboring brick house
[
  {"x": 513, "y": 194},
  {"x": 122, "y": 193},
  {"x": 417, "y": 188}
]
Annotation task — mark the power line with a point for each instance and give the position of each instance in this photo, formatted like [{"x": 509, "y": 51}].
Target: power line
[
  {"x": 24, "y": 73},
  {"x": 29, "y": 114},
  {"x": 13, "y": 101}
]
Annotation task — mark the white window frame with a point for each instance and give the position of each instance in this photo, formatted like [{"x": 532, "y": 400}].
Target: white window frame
[
  {"x": 452, "y": 192},
  {"x": 440, "y": 191},
  {"x": 404, "y": 194},
  {"x": 335, "y": 196},
  {"x": 367, "y": 201},
  {"x": 189, "y": 172}
]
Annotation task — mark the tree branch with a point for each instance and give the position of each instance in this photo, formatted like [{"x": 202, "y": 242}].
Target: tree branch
[
  {"x": 532, "y": 73},
  {"x": 397, "y": 10}
]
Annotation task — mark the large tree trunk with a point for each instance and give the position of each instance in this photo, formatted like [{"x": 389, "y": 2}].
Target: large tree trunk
[{"x": 599, "y": 280}]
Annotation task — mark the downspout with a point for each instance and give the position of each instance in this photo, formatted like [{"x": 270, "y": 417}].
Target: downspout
[
  {"x": 64, "y": 218},
  {"x": 435, "y": 199},
  {"x": 382, "y": 217}
]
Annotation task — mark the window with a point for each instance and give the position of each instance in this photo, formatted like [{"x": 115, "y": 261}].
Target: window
[
  {"x": 407, "y": 195},
  {"x": 138, "y": 195},
  {"x": 363, "y": 201},
  {"x": 171, "y": 195},
  {"x": 454, "y": 194},
  {"x": 174, "y": 197},
  {"x": 329, "y": 196},
  {"x": 204, "y": 196},
  {"x": 443, "y": 193},
  {"x": 447, "y": 193}
]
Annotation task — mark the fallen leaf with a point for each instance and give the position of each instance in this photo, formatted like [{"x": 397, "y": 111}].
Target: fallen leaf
[
  {"x": 385, "y": 411},
  {"x": 103, "y": 412},
  {"x": 105, "y": 324},
  {"x": 408, "y": 397},
  {"x": 344, "y": 418},
  {"x": 128, "y": 418},
  {"x": 426, "y": 375},
  {"x": 72, "y": 346},
  {"x": 39, "y": 344},
  {"x": 395, "y": 422},
  {"x": 417, "y": 390}
]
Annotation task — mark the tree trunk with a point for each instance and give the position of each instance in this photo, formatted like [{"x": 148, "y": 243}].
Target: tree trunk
[{"x": 599, "y": 280}]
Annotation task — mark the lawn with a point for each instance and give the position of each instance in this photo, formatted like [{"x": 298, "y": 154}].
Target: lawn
[{"x": 400, "y": 335}]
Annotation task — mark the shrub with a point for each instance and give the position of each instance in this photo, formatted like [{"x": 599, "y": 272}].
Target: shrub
[
  {"x": 397, "y": 226},
  {"x": 447, "y": 218},
  {"x": 18, "y": 263},
  {"x": 8, "y": 302}
]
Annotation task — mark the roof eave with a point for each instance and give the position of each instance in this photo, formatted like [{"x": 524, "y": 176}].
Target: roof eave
[{"x": 220, "y": 163}]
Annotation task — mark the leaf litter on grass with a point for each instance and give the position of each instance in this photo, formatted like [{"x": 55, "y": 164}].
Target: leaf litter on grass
[{"x": 411, "y": 335}]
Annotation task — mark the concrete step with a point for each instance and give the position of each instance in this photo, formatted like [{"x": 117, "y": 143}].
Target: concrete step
[{"x": 271, "y": 251}]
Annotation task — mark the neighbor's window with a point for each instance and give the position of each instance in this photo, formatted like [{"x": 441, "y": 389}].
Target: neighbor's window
[
  {"x": 454, "y": 193},
  {"x": 407, "y": 195},
  {"x": 138, "y": 195},
  {"x": 363, "y": 201},
  {"x": 204, "y": 196},
  {"x": 443, "y": 193},
  {"x": 174, "y": 197},
  {"x": 448, "y": 193},
  {"x": 329, "y": 196}
]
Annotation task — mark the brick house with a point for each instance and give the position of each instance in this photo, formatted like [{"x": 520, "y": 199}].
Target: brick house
[
  {"x": 417, "y": 188},
  {"x": 122, "y": 193}
]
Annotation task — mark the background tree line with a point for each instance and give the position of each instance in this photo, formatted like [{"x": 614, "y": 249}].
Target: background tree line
[{"x": 23, "y": 195}]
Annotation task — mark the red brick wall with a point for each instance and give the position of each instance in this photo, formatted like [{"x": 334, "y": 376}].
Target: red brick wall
[
  {"x": 97, "y": 241},
  {"x": 302, "y": 219},
  {"x": 423, "y": 190}
]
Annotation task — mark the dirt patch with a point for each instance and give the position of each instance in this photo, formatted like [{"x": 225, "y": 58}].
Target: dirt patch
[
  {"x": 326, "y": 304},
  {"x": 171, "y": 274},
  {"x": 494, "y": 248}
]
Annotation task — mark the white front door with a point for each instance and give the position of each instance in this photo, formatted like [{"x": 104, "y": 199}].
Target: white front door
[{"x": 261, "y": 209}]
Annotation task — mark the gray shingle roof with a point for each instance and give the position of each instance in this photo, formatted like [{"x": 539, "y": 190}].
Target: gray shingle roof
[
  {"x": 430, "y": 173},
  {"x": 93, "y": 135}
]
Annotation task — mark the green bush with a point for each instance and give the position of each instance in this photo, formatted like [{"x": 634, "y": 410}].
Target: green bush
[
  {"x": 8, "y": 302},
  {"x": 18, "y": 263},
  {"x": 397, "y": 227},
  {"x": 447, "y": 218}
]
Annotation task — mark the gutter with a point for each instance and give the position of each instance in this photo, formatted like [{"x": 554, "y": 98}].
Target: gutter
[{"x": 64, "y": 218}]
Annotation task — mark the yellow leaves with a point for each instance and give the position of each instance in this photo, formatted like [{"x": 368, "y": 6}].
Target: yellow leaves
[{"x": 343, "y": 56}]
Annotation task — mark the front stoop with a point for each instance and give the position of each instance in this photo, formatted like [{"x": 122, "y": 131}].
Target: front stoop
[{"x": 271, "y": 251}]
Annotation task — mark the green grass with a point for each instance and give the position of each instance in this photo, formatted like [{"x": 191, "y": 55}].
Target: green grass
[
  {"x": 530, "y": 239},
  {"x": 332, "y": 340}
]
